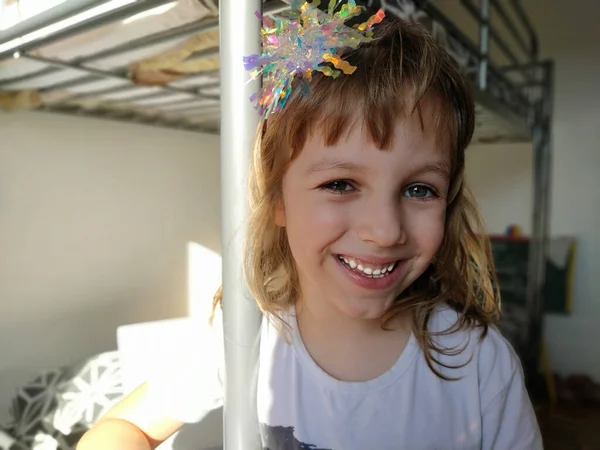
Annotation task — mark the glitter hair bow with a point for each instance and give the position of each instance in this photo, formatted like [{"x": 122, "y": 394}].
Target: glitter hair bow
[{"x": 306, "y": 40}]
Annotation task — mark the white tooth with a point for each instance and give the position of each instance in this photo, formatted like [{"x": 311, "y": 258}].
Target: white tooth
[
  {"x": 345, "y": 260},
  {"x": 390, "y": 268},
  {"x": 377, "y": 272},
  {"x": 352, "y": 264},
  {"x": 384, "y": 270},
  {"x": 360, "y": 267},
  {"x": 368, "y": 270}
]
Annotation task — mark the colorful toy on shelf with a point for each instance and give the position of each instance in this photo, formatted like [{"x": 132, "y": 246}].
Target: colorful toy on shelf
[{"x": 514, "y": 231}]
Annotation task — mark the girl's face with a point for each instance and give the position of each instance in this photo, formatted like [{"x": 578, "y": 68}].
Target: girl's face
[{"x": 363, "y": 223}]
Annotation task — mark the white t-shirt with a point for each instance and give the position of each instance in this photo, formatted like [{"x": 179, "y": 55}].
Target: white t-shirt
[{"x": 408, "y": 407}]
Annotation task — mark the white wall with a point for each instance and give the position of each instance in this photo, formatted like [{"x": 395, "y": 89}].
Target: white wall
[
  {"x": 501, "y": 174},
  {"x": 95, "y": 220}
]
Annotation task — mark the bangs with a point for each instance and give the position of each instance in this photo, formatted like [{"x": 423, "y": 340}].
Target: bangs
[
  {"x": 378, "y": 117},
  {"x": 402, "y": 72}
]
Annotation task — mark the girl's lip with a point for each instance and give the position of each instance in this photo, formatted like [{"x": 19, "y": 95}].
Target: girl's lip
[{"x": 366, "y": 282}]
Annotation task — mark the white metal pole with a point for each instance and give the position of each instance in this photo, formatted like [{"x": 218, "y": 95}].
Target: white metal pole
[{"x": 239, "y": 37}]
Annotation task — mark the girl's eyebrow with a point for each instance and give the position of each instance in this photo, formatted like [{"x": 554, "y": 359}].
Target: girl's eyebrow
[
  {"x": 331, "y": 164},
  {"x": 439, "y": 168}
]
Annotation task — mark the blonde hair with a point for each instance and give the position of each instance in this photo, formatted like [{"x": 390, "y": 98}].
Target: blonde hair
[{"x": 395, "y": 73}]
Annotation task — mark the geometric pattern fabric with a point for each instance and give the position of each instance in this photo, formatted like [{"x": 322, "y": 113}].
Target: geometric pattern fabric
[{"x": 54, "y": 410}]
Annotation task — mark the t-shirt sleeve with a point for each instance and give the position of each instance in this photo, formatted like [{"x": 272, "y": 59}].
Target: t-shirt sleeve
[
  {"x": 188, "y": 384},
  {"x": 508, "y": 419}
]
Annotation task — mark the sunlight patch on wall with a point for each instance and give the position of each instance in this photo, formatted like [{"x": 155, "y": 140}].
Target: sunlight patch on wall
[{"x": 204, "y": 278}]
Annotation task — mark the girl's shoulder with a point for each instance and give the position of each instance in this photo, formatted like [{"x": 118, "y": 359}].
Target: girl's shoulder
[
  {"x": 488, "y": 362},
  {"x": 475, "y": 351},
  {"x": 487, "y": 342}
]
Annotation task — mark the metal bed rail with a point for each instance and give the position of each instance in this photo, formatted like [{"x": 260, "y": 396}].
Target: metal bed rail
[
  {"x": 507, "y": 83},
  {"x": 23, "y": 39}
]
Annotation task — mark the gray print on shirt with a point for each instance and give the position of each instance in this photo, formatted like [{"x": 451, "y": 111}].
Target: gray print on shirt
[{"x": 282, "y": 438}]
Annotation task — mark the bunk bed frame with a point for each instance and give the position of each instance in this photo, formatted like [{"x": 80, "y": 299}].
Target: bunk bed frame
[{"x": 514, "y": 104}]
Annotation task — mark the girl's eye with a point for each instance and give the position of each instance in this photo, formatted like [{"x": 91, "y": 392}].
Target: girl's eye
[
  {"x": 338, "y": 186},
  {"x": 419, "y": 192}
]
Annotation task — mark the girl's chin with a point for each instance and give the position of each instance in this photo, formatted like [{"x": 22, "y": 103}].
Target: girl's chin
[{"x": 364, "y": 309}]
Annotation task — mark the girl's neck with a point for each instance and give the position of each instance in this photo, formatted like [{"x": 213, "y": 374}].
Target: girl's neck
[
  {"x": 323, "y": 317},
  {"x": 350, "y": 349}
]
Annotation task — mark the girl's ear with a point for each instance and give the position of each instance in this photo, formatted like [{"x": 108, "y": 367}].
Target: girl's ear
[{"x": 280, "y": 214}]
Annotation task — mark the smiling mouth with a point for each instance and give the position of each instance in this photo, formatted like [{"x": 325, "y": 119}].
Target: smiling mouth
[{"x": 368, "y": 270}]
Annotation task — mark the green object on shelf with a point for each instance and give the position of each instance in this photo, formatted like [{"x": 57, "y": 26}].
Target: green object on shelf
[{"x": 511, "y": 261}]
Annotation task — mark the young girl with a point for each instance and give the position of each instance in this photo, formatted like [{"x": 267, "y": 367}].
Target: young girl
[{"x": 367, "y": 262}]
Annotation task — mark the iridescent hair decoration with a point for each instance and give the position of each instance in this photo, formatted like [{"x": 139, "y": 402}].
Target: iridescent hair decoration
[{"x": 304, "y": 41}]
